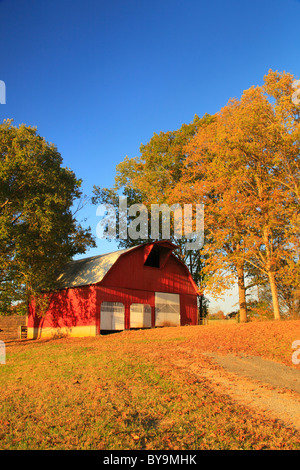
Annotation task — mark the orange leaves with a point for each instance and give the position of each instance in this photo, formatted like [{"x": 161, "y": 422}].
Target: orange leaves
[
  {"x": 139, "y": 390},
  {"x": 244, "y": 166}
]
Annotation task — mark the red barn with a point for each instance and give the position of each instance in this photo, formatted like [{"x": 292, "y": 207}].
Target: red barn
[{"x": 140, "y": 287}]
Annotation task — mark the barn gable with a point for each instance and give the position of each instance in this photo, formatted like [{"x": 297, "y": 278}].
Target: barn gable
[
  {"x": 157, "y": 254},
  {"x": 151, "y": 267}
]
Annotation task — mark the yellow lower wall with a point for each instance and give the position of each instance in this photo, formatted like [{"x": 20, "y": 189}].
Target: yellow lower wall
[{"x": 75, "y": 331}]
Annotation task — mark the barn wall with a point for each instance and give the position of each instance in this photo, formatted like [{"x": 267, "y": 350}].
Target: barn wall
[
  {"x": 76, "y": 311},
  {"x": 127, "y": 297},
  {"x": 70, "y": 311},
  {"x": 188, "y": 309}
]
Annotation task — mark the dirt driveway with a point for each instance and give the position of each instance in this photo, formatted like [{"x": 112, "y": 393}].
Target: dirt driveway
[
  {"x": 263, "y": 385},
  {"x": 256, "y": 368}
]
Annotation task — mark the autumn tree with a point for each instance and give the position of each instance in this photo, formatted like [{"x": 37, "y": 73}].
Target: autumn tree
[
  {"x": 245, "y": 167},
  {"x": 286, "y": 169},
  {"x": 206, "y": 179},
  {"x": 243, "y": 164},
  {"x": 38, "y": 230},
  {"x": 150, "y": 178}
]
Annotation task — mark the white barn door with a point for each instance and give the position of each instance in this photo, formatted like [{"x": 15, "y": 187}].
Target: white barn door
[
  {"x": 112, "y": 316},
  {"x": 167, "y": 309},
  {"x": 140, "y": 316}
]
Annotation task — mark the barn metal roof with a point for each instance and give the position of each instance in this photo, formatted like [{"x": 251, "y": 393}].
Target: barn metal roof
[
  {"x": 92, "y": 270},
  {"x": 88, "y": 270}
]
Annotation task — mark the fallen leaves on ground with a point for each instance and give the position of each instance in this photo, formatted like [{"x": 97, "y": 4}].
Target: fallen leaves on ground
[{"x": 128, "y": 391}]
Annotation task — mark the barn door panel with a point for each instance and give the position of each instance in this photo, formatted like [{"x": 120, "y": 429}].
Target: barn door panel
[
  {"x": 140, "y": 316},
  {"x": 112, "y": 316},
  {"x": 167, "y": 309}
]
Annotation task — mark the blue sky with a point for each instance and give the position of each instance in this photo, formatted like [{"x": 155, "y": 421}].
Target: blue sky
[{"x": 98, "y": 78}]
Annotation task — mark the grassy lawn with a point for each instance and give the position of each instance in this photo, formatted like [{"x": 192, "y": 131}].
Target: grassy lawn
[{"x": 125, "y": 391}]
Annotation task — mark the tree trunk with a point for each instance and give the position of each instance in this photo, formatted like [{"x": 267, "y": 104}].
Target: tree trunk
[
  {"x": 271, "y": 275},
  {"x": 200, "y": 317},
  {"x": 274, "y": 295},
  {"x": 242, "y": 294}
]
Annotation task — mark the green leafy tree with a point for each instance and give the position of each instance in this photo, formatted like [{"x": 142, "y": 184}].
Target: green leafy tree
[{"x": 38, "y": 231}]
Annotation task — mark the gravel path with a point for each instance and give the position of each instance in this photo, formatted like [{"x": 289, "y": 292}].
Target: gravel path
[
  {"x": 268, "y": 372},
  {"x": 265, "y": 386}
]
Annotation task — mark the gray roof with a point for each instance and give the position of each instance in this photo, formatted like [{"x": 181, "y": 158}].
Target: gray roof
[{"x": 88, "y": 271}]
